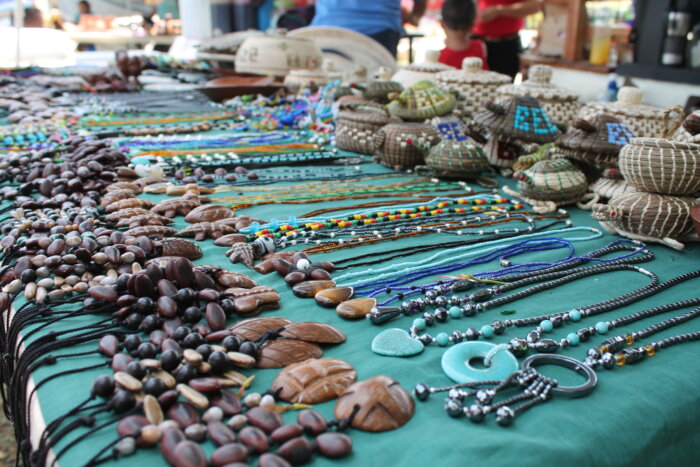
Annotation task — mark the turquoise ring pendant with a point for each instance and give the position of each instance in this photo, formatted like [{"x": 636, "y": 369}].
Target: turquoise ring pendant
[{"x": 464, "y": 362}]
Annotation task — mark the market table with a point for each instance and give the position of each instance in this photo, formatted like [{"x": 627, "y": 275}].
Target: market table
[{"x": 638, "y": 415}]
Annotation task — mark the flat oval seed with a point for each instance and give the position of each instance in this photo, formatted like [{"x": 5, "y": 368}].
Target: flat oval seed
[{"x": 127, "y": 381}]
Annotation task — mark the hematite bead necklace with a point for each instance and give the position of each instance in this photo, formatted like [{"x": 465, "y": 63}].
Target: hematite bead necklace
[
  {"x": 534, "y": 388},
  {"x": 478, "y": 302},
  {"x": 546, "y": 323},
  {"x": 612, "y": 351}
]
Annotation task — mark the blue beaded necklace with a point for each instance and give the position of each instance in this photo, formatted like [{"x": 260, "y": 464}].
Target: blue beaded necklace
[
  {"x": 514, "y": 269},
  {"x": 408, "y": 268}
]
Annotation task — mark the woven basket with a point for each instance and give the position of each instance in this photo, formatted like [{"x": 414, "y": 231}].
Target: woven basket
[
  {"x": 378, "y": 91},
  {"x": 457, "y": 159},
  {"x": 411, "y": 74},
  {"x": 404, "y": 145},
  {"x": 502, "y": 154},
  {"x": 422, "y": 101},
  {"x": 553, "y": 180},
  {"x": 660, "y": 165},
  {"x": 561, "y": 105},
  {"x": 643, "y": 120},
  {"x": 611, "y": 188},
  {"x": 472, "y": 85},
  {"x": 648, "y": 215},
  {"x": 355, "y": 128}
]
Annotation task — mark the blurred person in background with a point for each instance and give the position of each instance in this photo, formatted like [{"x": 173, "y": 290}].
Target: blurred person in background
[
  {"x": 458, "y": 17},
  {"x": 83, "y": 9},
  {"x": 379, "y": 19},
  {"x": 33, "y": 18},
  {"x": 499, "y": 23}
]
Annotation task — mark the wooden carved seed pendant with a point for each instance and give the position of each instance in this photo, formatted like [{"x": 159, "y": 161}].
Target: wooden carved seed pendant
[
  {"x": 204, "y": 230},
  {"x": 151, "y": 230},
  {"x": 181, "y": 247},
  {"x": 242, "y": 253},
  {"x": 384, "y": 404}
]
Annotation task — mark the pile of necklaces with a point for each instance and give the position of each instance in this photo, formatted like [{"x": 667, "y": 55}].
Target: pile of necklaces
[{"x": 224, "y": 286}]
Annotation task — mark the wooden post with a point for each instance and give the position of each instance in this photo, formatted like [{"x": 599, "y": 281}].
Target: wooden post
[{"x": 575, "y": 30}]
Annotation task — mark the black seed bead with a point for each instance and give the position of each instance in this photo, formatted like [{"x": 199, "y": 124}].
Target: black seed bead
[
  {"x": 103, "y": 386},
  {"x": 169, "y": 360},
  {"x": 132, "y": 342},
  {"x": 154, "y": 387},
  {"x": 249, "y": 348},
  {"x": 180, "y": 333},
  {"x": 231, "y": 343},
  {"x": 122, "y": 401},
  {"x": 136, "y": 369},
  {"x": 192, "y": 340}
]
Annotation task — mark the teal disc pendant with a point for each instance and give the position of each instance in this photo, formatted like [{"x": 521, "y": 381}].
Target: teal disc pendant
[
  {"x": 459, "y": 362},
  {"x": 396, "y": 343}
]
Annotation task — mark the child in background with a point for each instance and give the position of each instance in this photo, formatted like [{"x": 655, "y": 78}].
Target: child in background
[{"x": 458, "y": 17}]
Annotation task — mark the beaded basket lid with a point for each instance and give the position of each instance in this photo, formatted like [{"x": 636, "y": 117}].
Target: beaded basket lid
[
  {"x": 539, "y": 86},
  {"x": 421, "y": 101},
  {"x": 458, "y": 158},
  {"x": 472, "y": 72},
  {"x": 520, "y": 118},
  {"x": 604, "y": 134}
]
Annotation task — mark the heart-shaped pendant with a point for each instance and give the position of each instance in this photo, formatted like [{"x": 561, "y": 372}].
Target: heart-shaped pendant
[{"x": 396, "y": 343}]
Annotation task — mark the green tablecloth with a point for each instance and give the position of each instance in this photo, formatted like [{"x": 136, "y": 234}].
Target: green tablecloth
[{"x": 639, "y": 415}]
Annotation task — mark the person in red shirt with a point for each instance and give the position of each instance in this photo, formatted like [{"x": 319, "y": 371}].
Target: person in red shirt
[
  {"x": 458, "y": 18},
  {"x": 499, "y": 24}
]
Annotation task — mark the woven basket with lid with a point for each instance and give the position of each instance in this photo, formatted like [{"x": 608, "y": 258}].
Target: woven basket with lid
[
  {"x": 356, "y": 126},
  {"x": 411, "y": 74},
  {"x": 560, "y": 104},
  {"x": 648, "y": 217},
  {"x": 457, "y": 159},
  {"x": 598, "y": 140},
  {"x": 379, "y": 89},
  {"x": 298, "y": 80},
  {"x": 643, "y": 120},
  {"x": 404, "y": 145},
  {"x": 510, "y": 122},
  {"x": 553, "y": 180},
  {"x": 661, "y": 165},
  {"x": 472, "y": 85},
  {"x": 422, "y": 101}
]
